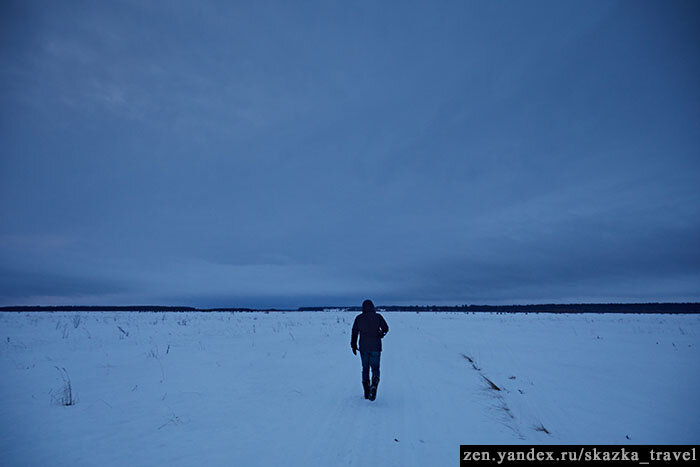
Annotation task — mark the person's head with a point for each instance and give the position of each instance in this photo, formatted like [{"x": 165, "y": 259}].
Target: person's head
[{"x": 367, "y": 306}]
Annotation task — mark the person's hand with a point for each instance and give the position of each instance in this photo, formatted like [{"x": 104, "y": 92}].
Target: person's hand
[{"x": 354, "y": 350}]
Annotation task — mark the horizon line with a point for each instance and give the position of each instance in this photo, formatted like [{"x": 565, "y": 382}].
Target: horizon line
[{"x": 329, "y": 307}]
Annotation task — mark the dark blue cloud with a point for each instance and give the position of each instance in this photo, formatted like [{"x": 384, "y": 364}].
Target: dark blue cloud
[{"x": 269, "y": 153}]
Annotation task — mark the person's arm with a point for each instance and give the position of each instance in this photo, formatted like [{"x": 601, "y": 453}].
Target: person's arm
[
  {"x": 353, "y": 338},
  {"x": 383, "y": 327}
]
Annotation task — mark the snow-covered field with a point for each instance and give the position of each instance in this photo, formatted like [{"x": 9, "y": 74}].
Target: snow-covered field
[{"x": 284, "y": 388}]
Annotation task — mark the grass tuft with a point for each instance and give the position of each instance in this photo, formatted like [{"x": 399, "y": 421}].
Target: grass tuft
[
  {"x": 491, "y": 384},
  {"x": 541, "y": 428},
  {"x": 471, "y": 360},
  {"x": 66, "y": 396}
]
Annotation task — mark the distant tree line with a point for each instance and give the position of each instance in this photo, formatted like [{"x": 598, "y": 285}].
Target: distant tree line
[
  {"x": 692, "y": 307},
  {"x": 98, "y": 308},
  {"x": 125, "y": 308}
]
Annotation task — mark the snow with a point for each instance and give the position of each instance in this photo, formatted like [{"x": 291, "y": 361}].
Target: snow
[{"x": 266, "y": 389}]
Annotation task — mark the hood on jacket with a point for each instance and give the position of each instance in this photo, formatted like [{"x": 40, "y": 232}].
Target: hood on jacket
[{"x": 368, "y": 306}]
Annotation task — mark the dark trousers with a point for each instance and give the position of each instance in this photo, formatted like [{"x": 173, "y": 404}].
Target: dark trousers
[{"x": 370, "y": 359}]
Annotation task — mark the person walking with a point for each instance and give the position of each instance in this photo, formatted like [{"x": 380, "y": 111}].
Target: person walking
[{"x": 371, "y": 328}]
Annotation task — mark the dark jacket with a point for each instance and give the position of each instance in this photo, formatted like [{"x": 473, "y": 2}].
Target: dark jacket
[{"x": 371, "y": 327}]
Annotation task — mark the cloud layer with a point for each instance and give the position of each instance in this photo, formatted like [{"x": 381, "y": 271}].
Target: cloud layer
[{"x": 283, "y": 155}]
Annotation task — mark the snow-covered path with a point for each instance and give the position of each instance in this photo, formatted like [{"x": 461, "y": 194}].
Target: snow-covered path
[
  {"x": 264, "y": 389},
  {"x": 413, "y": 421}
]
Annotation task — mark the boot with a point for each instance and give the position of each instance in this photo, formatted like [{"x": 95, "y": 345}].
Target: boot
[
  {"x": 373, "y": 388},
  {"x": 365, "y": 385}
]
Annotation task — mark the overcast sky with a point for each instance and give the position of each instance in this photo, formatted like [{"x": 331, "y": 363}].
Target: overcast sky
[{"x": 314, "y": 153}]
